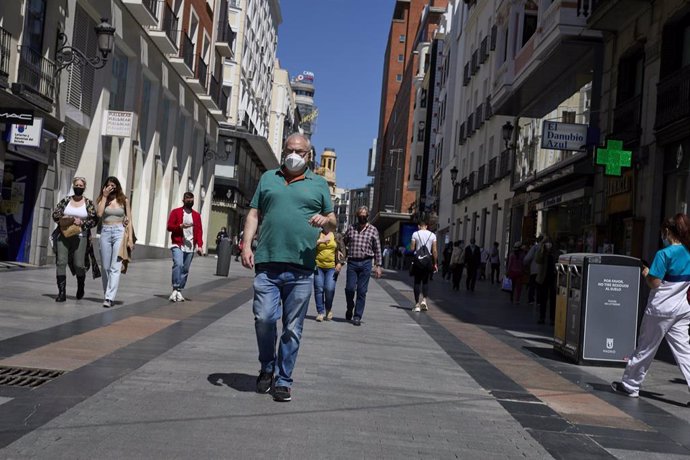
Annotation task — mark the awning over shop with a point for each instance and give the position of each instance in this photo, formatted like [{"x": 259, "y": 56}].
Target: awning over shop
[{"x": 259, "y": 145}]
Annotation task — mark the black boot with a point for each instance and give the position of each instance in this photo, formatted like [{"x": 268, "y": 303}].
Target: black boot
[
  {"x": 62, "y": 288},
  {"x": 80, "y": 286}
]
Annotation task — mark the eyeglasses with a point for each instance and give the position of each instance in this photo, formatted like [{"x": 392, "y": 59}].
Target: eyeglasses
[{"x": 298, "y": 152}]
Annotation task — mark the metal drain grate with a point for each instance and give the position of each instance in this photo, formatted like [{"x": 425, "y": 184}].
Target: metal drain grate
[{"x": 25, "y": 377}]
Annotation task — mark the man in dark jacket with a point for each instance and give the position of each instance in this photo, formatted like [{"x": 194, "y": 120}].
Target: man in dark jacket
[{"x": 473, "y": 260}]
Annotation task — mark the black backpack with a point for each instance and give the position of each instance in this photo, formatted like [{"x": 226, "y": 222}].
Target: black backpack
[{"x": 422, "y": 257}]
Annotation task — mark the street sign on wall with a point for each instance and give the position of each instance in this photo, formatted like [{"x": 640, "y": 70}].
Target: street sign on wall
[
  {"x": 563, "y": 136},
  {"x": 118, "y": 123},
  {"x": 27, "y": 135}
]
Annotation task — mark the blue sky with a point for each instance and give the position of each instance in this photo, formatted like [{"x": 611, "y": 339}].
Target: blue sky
[{"x": 343, "y": 42}]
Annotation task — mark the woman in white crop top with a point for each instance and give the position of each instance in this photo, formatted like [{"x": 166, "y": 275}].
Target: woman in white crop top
[
  {"x": 75, "y": 210},
  {"x": 113, "y": 210}
]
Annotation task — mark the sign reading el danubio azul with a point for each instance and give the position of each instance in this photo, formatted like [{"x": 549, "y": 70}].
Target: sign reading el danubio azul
[{"x": 563, "y": 136}]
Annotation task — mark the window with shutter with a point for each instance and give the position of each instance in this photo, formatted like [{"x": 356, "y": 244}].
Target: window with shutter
[
  {"x": 80, "y": 79},
  {"x": 71, "y": 150}
]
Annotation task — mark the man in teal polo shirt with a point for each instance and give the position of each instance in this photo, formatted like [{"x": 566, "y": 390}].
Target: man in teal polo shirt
[{"x": 293, "y": 204}]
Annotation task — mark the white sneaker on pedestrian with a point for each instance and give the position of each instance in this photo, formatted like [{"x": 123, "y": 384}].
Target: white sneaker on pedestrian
[
  {"x": 178, "y": 297},
  {"x": 416, "y": 307},
  {"x": 173, "y": 296},
  {"x": 423, "y": 305}
]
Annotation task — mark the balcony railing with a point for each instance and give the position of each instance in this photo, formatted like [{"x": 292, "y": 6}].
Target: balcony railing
[
  {"x": 214, "y": 89},
  {"x": 201, "y": 72},
  {"x": 504, "y": 165},
  {"x": 5, "y": 39},
  {"x": 481, "y": 177},
  {"x": 626, "y": 119},
  {"x": 170, "y": 23},
  {"x": 225, "y": 33},
  {"x": 152, "y": 7},
  {"x": 187, "y": 51},
  {"x": 586, "y": 7},
  {"x": 36, "y": 73},
  {"x": 224, "y": 96},
  {"x": 471, "y": 183},
  {"x": 488, "y": 111},
  {"x": 673, "y": 98},
  {"x": 492, "y": 170}
]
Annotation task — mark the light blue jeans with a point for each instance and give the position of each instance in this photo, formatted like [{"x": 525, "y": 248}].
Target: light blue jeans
[
  {"x": 111, "y": 239},
  {"x": 280, "y": 292},
  {"x": 324, "y": 289},
  {"x": 181, "y": 263}
]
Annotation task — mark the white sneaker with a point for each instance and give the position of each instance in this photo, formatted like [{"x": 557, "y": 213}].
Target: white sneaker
[
  {"x": 178, "y": 297},
  {"x": 173, "y": 296},
  {"x": 423, "y": 305},
  {"x": 416, "y": 307}
]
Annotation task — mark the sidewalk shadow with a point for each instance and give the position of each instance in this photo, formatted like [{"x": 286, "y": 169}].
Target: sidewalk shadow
[
  {"x": 679, "y": 381},
  {"x": 239, "y": 382},
  {"x": 545, "y": 353},
  {"x": 644, "y": 394},
  {"x": 89, "y": 299}
]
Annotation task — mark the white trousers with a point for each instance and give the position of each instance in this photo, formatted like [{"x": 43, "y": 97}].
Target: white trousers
[{"x": 652, "y": 332}]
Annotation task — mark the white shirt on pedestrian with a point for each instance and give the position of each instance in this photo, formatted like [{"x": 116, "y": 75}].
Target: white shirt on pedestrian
[
  {"x": 423, "y": 237},
  {"x": 187, "y": 219}
]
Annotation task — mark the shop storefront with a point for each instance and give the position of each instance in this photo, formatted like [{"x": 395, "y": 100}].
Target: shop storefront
[
  {"x": 27, "y": 160},
  {"x": 566, "y": 217}
]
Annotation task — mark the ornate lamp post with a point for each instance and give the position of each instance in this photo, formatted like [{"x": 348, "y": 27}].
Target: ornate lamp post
[
  {"x": 223, "y": 156},
  {"x": 67, "y": 55}
]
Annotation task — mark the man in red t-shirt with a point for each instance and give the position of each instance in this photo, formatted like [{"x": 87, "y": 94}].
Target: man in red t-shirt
[{"x": 186, "y": 235}]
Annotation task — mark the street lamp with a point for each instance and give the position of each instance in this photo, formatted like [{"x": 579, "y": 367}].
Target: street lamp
[
  {"x": 66, "y": 55},
  {"x": 454, "y": 174},
  {"x": 507, "y": 132},
  {"x": 212, "y": 154}
]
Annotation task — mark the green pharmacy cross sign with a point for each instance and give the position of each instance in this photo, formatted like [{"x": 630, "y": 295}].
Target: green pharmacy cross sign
[{"x": 614, "y": 157}]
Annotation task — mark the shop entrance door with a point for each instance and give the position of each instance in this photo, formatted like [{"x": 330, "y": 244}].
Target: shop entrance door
[{"x": 16, "y": 208}]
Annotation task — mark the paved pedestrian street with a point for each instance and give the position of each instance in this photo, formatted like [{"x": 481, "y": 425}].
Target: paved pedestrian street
[{"x": 474, "y": 377}]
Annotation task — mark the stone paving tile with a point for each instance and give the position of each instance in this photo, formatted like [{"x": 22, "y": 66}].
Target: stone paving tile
[{"x": 384, "y": 390}]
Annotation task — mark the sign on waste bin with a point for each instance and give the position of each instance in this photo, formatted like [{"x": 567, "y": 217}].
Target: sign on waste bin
[{"x": 601, "y": 307}]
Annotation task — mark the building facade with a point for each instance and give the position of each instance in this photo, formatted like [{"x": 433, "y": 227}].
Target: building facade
[{"x": 149, "y": 116}]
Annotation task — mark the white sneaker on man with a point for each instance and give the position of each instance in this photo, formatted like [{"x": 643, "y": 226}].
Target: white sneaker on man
[
  {"x": 178, "y": 297},
  {"x": 423, "y": 305},
  {"x": 173, "y": 296},
  {"x": 416, "y": 307}
]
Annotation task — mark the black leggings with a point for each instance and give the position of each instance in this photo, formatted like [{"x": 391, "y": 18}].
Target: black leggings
[{"x": 421, "y": 281}]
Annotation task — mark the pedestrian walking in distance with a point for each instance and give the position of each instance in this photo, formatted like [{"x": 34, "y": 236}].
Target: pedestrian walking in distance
[
  {"x": 186, "y": 235},
  {"x": 425, "y": 263},
  {"x": 293, "y": 203},
  {"x": 668, "y": 313},
  {"x": 495, "y": 260},
  {"x": 330, "y": 257},
  {"x": 473, "y": 262},
  {"x": 363, "y": 247},
  {"x": 114, "y": 211},
  {"x": 75, "y": 216},
  {"x": 457, "y": 264}
]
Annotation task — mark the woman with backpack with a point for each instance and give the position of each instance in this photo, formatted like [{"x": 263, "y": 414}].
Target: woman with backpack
[{"x": 425, "y": 262}]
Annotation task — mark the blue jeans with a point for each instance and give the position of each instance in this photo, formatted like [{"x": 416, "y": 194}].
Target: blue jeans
[
  {"x": 111, "y": 239},
  {"x": 181, "y": 262},
  {"x": 358, "y": 274},
  {"x": 280, "y": 292},
  {"x": 324, "y": 289}
]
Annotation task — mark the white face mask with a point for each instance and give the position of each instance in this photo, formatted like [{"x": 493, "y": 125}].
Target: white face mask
[{"x": 294, "y": 162}]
